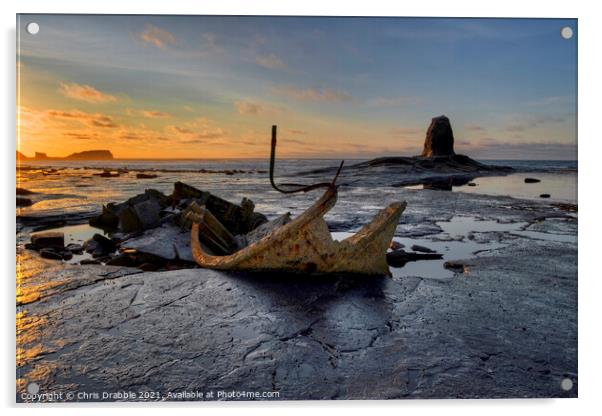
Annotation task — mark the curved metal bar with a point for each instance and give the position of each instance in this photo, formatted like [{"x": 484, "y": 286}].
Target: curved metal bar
[{"x": 300, "y": 188}]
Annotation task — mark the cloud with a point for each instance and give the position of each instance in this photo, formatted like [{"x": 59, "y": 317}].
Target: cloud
[
  {"x": 82, "y": 136},
  {"x": 154, "y": 114},
  {"x": 270, "y": 62},
  {"x": 130, "y": 136},
  {"x": 181, "y": 130},
  {"x": 94, "y": 120},
  {"x": 211, "y": 42},
  {"x": 474, "y": 127},
  {"x": 65, "y": 131},
  {"x": 402, "y": 132},
  {"x": 157, "y": 36},
  {"x": 297, "y": 132},
  {"x": 256, "y": 108},
  {"x": 85, "y": 93},
  {"x": 531, "y": 122},
  {"x": 248, "y": 107},
  {"x": 492, "y": 148},
  {"x": 550, "y": 100},
  {"x": 298, "y": 142},
  {"x": 312, "y": 94},
  {"x": 199, "y": 130}
]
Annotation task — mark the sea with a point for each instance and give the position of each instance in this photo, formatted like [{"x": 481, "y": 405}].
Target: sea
[
  {"x": 75, "y": 187},
  {"x": 66, "y": 193}
]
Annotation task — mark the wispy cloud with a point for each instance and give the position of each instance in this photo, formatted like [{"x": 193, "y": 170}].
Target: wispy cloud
[
  {"x": 544, "y": 101},
  {"x": 248, "y": 107},
  {"x": 270, "y": 62},
  {"x": 312, "y": 94},
  {"x": 81, "y": 136},
  {"x": 199, "y": 130},
  {"x": 503, "y": 149},
  {"x": 256, "y": 108},
  {"x": 85, "y": 93},
  {"x": 297, "y": 132},
  {"x": 210, "y": 40},
  {"x": 531, "y": 122},
  {"x": 154, "y": 114},
  {"x": 474, "y": 127},
  {"x": 93, "y": 120},
  {"x": 403, "y": 132},
  {"x": 157, "y": 36}
]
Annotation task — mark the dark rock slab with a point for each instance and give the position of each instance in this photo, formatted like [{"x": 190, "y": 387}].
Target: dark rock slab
[
  {"x": 238, "y": 219},
  {"x": 24, "y": 202},
  {"x": 75, "y": 248},
  {"x": 137, "y": 213},
  {"x": 46, "y": 239},
  {"x": 454, "y": 265},
  {"x": 398, "y": 258},
  {"x": 145, "y": 176},
  {"x": 23, "y": 191},
  {"x": 422, "y": 249},
  {"x": 51, "y": 253},
  {"x": 168, "y": 241},
  {"x": 99, "y": 246}
]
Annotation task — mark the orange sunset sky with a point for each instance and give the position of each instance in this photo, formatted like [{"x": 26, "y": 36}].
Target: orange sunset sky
[{"x": 211, "y": 87}]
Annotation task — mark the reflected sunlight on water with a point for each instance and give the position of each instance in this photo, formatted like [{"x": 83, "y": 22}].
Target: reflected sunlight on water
[{"x": 561, "y": 187}]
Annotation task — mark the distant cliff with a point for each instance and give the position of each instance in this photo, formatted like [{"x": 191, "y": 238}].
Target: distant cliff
[
  {"x": 91, "y": 155},
  {"x": 85, "y": 155}
]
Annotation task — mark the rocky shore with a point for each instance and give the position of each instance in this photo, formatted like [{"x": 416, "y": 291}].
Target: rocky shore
[
  {"x": 128, "y": 310},
  {"x": 504, "y": 326}
]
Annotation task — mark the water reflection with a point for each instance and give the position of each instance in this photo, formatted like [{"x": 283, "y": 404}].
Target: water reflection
[
  {"x": 560, "y": 186},
  {"x": 457, "y": 242}
]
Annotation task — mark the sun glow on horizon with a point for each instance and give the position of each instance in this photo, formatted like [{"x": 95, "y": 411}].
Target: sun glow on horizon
[{"x": 161, "y": 95}]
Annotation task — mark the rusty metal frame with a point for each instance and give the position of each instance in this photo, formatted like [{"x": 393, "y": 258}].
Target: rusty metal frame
[{"x": 306, "y": 245}]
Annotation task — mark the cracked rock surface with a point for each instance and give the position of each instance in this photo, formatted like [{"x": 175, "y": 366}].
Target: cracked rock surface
[
  {"x": 495, "y": 333},
  {"x": 505, "y": 328}
]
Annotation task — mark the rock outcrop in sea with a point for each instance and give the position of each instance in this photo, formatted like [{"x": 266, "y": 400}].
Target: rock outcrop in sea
[
  {"x": 85, "y": 155},
  {"x": 439, "y": 138},
  {"x": 437, "y": 167}
]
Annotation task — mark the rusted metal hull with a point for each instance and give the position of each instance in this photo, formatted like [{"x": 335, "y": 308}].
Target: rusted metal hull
[{"x": 306, "y": 245}]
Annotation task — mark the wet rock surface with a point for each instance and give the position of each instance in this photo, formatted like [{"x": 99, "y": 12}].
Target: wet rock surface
[
  {"x": 167, "y": 241},
  {"x": 505, "y": 326},
  {"x": 309, "y": 337},
  {"x": 48, "y": 239},
  {"x": 152, "y": 229},
  {"x": 23, "y": 202}
]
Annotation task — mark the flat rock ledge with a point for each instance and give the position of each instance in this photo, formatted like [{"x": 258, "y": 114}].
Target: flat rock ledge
[{"x": 507, "y": 328}]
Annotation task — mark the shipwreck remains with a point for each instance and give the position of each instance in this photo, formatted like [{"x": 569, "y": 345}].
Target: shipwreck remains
[
  {"x": 191, "y": 227},
  {"x": 300, "y": 245},
  {"x": 306, "y": 245}
]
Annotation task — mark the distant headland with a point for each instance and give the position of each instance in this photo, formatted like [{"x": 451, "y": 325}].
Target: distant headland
[{"x": 85, "y": 155}]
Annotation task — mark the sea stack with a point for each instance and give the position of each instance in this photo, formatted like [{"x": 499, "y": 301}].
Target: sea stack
[{"x": 439, "y": 138}]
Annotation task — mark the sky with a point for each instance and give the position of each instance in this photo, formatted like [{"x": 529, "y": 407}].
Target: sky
[{"x": 212, "y": 86}]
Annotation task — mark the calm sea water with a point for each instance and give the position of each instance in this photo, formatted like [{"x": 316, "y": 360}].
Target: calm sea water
[{"x": 74, "y": 187}]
